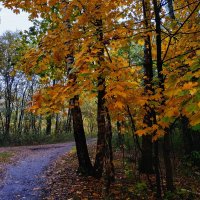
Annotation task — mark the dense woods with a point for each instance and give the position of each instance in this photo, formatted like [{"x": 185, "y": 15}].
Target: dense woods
[{"x": 122, "y": 71}]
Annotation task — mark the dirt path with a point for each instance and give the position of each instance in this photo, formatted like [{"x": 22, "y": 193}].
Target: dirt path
[{"x": 24, "y": 178}]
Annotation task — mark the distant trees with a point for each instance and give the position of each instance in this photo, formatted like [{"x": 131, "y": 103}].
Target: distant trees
[
  {"x": 9, "y": 83},
  {"x": 16, "y": 92}
]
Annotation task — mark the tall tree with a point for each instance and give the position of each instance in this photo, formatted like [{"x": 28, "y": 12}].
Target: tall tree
[
  {"x": 166, "y": 142},
  {"x": 146, "y": 165}
]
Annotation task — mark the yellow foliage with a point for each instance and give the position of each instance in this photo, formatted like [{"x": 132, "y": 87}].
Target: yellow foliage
[{"x": 100, "y": 54}]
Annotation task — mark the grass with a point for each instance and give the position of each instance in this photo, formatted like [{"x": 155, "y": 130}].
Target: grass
[
  {"x": 5, "y": 157},
  {"x": 73, "y": 150}
]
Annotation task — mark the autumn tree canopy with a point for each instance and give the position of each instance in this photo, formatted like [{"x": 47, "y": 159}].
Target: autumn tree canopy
[{"x": 122, "y": 25}]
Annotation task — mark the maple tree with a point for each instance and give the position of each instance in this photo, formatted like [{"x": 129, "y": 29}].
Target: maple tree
[{"x": 154, "y": 92}]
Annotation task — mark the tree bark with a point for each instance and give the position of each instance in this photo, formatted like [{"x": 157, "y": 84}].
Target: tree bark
[
  {"x": 85, "y": 166},
  {"x": 69, "y": 121},
  {"x": 109, "y": 145},
  {"x": 57, "y": 130},
  {"x": 171, "y": 9},
  {"x": 8, "y": 97},
  {"x": 146, "y": 162},
  {"x": 157, "y": 171},
  {"x": 166, "y": 142},
  {"x": 48, "y": 124},
  {"x": 119, "y": 135},
  {"x": 101, "y": 124},
  {"x": 104, "y": 157},
  {"x": 109, "y": 173},
  {"x": 187, "y": 137}
]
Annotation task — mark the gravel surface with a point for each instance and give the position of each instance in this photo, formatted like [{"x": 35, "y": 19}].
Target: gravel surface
[{"x": 24, "y": 178}]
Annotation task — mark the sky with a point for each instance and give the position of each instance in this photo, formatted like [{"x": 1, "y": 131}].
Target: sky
[{"x": 12, "y": 22}]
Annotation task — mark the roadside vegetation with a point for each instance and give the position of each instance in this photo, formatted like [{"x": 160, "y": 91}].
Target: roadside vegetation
[{"x": 5, "y": 157}]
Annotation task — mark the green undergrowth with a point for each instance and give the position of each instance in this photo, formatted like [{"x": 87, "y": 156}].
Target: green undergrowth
[
  {"x": 5, "y": 157},
  {"x": 36, "y": 139},
  {"x": 180, "y": 194}
]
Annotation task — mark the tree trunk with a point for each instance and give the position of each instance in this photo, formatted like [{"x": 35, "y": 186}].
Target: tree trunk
[
  {"x": 167, "y": 160},
  {"x": 8, "y": 96},
  {"x": 119, "y": 135},
  {"x": 166, "y": 142},
  {"x": 16, "y": 111},
  {"x": 171, "y": 9},
  {"x": 101, "y": 123},
  {"x": 109, "y": 145},
  {"x": 187, "y": 137},
  {"x": 101, "y": 110},
  {"x": 40, "y": 125},
  {"x": 146, "y": 163},
  {"x": 7, "y": 127},
  {"x": 157, "y": 171},
  {"x": 48, "y": 124},
  {"x": 85, "y": 166},
  {"x": 69, "y": 121},
  {"x": 57, "y": 130},
  {"x": 109, "y": 172},
  {"x": 7, "y": 119}
]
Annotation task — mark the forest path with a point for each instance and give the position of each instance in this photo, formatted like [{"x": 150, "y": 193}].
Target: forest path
[{"x": 24, "y": 178}]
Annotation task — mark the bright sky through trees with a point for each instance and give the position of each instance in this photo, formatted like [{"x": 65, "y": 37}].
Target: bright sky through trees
[{"x": 12, "y": 22}]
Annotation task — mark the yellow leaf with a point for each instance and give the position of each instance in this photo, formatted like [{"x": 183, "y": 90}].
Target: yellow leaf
[
  {"x": 141, "y": 42},
  {"x": 141, "y": 132},
  {"x": 189, "y": 85},
  {"x": 119, "y": 104},
  {"x": 195, "y": 119},
  {"x": 193, "y": 91}
]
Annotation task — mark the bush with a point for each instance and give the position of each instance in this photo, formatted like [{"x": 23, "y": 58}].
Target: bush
[
  {"x": 35, "y": 139},
  {"x": 193, "y": 159},
  {"x": 181, "y": 194}
]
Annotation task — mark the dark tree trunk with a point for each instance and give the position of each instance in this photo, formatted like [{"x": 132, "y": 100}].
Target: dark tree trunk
[
  {"x": 119, "y": 134},
  {"x": 101, "y": 124},
  {"x": 69, "y": 121},
  {"x": 171, "y": 9},
  {"x": 8, "y": 96},
  {"x": 101, "y": 110},
  {"x": 48, "y": 124},
  {"x": 85, "y": 166},
  {"x": 166, "y": 142},
  {"x": 167, "y": 160},
  {"x": 109, "y": 172},
  {"x": 146, "y": 162},
  {"x": 33, "y": 125},
  {"x": 16, "y": 111},
  {"x": 157, "y": 171},
  {"x": 7, "y": 119},
  {"x": 2, "y": 123},
  {"x": 57, "y": 130},
  {"x": 40, "y": 125},
  {"x": 187, "y": 137},
  {"x": 109, "y": 145},
  {"x": 196, "y": 139},
  {"x": 21, "y": 117},
  {"x": 7, "y": 127}
]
